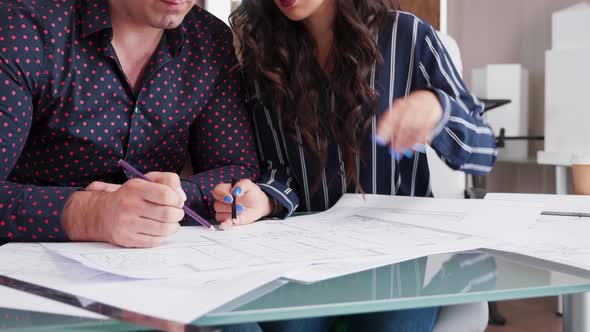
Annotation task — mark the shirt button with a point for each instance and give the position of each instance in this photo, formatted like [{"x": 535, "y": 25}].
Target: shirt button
[{"x": 136, "y": 110}]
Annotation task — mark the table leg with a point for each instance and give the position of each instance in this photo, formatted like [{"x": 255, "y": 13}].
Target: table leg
[
  {"x": 560, "y": 189},
  {"x": 574, "y": 307},
  {"x": 575, "y": 313},
  {"x": 561, "y": 180}
]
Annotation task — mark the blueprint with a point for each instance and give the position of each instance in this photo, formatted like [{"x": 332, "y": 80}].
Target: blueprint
[{"x": 359, "y": 229}]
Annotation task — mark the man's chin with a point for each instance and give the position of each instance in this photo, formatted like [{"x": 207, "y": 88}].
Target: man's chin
[
  {"x": 172, "y": 25},
  {"x": 168, "y": 23}
]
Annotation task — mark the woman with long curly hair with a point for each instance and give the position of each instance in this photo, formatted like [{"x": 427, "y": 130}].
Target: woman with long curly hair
[{"x": 345, "y": 96}]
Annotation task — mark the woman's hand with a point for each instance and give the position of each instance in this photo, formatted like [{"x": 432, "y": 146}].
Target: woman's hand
[
  {"x": 409, "y": 123},
  {"x": 251, "y": 203}
]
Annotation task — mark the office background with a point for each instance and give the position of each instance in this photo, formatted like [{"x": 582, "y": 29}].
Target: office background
[
  {"x": 511, "y": 31},
  {"x": 496, "y": 32},
  {"x": 501, "y": 31}
]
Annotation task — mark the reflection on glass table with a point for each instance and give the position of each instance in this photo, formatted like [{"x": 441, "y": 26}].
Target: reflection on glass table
[{"x": 433, "y": 281}]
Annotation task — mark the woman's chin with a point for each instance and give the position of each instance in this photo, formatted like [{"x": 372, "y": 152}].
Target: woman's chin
[{"x": 295, "y": 15}]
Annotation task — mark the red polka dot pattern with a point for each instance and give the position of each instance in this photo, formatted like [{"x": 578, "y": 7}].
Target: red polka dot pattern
[{"x": 68, "y": 114}]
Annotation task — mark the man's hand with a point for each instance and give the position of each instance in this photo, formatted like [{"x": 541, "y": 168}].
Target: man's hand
[
  {"x": 137, "y": 214},
  {"x": 409, "y": 123},
  {"x": 103, "y": 187}
]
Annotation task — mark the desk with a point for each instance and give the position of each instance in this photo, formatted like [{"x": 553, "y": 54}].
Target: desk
[
  {"x": 465, "y": 278},
  {"x": 575, "y": 308}
]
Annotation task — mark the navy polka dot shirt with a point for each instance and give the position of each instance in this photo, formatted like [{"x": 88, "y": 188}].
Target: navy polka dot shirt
[{"x": 68, "y": 113}]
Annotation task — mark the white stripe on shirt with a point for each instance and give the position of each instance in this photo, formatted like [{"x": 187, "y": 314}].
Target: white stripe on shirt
[
  {"x": 391, "y": 90},
  {"x": 373, "y": 132},
  {"x": 478, "y": 130},
  {"x": 303, "y": 168},
  {"x": 446, "y": 75},
  {"x": 408, "y": 87}
]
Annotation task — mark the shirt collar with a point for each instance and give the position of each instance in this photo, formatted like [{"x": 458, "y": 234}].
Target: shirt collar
[
  {"x": 175, "y": 38},
  {"x": 94, "y": 17}
]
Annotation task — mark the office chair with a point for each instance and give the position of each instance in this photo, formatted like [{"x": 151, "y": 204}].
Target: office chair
[{"x": 448, "y": 183}]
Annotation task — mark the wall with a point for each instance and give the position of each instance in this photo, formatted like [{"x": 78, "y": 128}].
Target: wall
[
  {"x": 219, "y": 8},
  {"x": 505, "y": 31},
  {"x": 428, "y": 10},
  {"x": 510, "y": 31}
]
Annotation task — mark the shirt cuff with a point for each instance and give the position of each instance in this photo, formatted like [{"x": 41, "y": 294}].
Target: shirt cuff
[
  {"x": 445, "y": 103},
  {"x": 198, "y": 202},
  {"x": 283, "y": 195},
  {"x": 41, "y": 212}
]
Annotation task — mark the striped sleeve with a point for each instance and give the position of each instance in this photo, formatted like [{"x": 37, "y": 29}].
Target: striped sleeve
[
  {"x": 275, "y": 179},
  {"x": 462, "y": 138}
]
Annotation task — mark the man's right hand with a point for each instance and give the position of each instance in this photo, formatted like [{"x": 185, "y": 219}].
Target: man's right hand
[{"x": 138, "y": 214}]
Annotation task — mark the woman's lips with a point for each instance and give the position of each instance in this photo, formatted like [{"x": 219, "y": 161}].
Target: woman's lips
[{"x": 287, "y": 3}]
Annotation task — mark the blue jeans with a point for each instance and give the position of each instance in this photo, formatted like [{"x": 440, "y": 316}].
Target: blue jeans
[
  {"x": 309, "y": 324},
  {"x": 299, "y": 325},
  {"x": 413, "y": 320},
  {"x": 246, "y": 327}
]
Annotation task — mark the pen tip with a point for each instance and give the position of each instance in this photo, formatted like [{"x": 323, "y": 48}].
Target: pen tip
[{"x": 212, "y": 228}]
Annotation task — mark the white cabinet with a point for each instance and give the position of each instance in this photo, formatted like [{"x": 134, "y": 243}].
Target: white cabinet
[
  {"x": 567, "y": 111},
  {"x": 219, "y": 8},
  {"x": 506, "y": 81}
]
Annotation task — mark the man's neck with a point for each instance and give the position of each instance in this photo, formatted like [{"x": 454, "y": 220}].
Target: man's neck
[
  {"x": 134, "y": 45},
  {"x": 135, "y": 36}
]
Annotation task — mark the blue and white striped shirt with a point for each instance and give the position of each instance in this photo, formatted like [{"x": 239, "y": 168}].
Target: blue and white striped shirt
[{"x": 415, "y": 59}]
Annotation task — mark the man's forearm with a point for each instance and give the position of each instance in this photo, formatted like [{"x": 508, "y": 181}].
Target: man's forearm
[{"x": 77, "y": 217}]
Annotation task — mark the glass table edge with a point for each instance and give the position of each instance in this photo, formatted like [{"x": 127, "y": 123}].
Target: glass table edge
[
  {"x": 227, "y": 318},
  {"x": 86, "y": 326},
  {"x": 249, "y": 316}
]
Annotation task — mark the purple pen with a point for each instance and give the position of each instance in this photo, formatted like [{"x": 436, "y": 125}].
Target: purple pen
[{"x": 186, "y": 209}]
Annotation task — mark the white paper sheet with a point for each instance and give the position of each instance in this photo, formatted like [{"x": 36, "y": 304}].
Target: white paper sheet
[
  {"x": 182, "y": 299},
  {"x": 553, "y": 238},
  {"x": 355, "y": 230},
  {"x": 179, "y": 300},
  {"x": 15, "y": 299},
  {"x": 358, "y": 234},
  {"x": 408, "y": 227},
  {"x": 322, "y": 272},
  {"x": 559, "y": 203},
  {"x": 196, "y": 270},
  {"x": 193, "y": 250},
  {"x": 22, "y": 258},
  {"x": 485, "y": 218}
]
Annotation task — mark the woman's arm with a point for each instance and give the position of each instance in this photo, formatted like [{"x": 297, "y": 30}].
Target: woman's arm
[
  {"x": 275, "y": 192},
  {"x": 461, "y": 138}
]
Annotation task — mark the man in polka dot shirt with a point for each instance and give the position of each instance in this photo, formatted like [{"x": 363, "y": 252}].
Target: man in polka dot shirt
[{"x": 85, "y": 83}]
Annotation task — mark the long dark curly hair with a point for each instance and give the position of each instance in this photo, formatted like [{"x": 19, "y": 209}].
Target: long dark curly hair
[{"x": 280, "y": 56}]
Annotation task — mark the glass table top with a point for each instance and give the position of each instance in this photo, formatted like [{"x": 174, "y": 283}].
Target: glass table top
[{"x": 430, "y": 281}]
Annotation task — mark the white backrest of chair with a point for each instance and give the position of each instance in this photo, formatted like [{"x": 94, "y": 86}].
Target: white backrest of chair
[{"x": 446, "y": 182}]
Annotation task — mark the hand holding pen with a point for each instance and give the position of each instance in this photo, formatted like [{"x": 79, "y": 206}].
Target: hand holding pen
[
  {"x": 249, "y": 201},
  {"x": 185, "y": 208},
  {"x": 135, "y": 214}
]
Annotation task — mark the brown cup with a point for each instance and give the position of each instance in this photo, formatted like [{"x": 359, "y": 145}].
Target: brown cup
[{"x": 581, "y": 174}]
